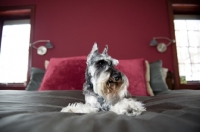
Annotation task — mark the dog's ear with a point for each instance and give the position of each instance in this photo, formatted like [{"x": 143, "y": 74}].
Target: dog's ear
[
  {"x": 105, "y": 51},
  {"x": 93, "y": 51}
]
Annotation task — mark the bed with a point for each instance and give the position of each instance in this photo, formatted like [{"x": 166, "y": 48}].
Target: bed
[
  {"x": 177, "y": 110},
  {"x": 39, "y": 111}
]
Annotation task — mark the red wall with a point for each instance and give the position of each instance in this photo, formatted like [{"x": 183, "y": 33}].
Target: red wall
[{"x": 127, "y": 26}]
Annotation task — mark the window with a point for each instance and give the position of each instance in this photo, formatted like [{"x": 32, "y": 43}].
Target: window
[
  {"x": 14, "y": 51},
  {"x": 184, "y": 27},
  {"x": 16, "y": 33},
  {"x": 187, "y": 34}
]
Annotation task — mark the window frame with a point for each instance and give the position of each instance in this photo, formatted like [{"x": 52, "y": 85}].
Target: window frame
[
  {"x": 187, "y": 7},
  {"x": 17, "y": 13}
]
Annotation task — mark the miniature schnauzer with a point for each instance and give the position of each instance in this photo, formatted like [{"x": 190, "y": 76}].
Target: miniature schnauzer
[{"x": 106, "y": 88}]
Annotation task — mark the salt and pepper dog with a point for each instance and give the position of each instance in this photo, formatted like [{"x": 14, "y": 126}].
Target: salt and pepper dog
[{"x": 106, "y": 88}]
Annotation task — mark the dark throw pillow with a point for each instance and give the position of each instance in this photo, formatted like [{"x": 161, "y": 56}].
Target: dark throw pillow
[
  {"x": 36, "y": 79},
  {"x": 157, "y": 82}
]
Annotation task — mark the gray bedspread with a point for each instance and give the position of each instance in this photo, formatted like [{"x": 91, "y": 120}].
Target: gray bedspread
[{"x": 29, "y": 111}]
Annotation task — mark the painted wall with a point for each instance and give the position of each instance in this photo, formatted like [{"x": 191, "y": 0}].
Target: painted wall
[{"x": 127, "y": 26}]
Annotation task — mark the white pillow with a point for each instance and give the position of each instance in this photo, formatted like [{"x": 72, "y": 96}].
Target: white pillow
[{"x": 46, "y": 63}]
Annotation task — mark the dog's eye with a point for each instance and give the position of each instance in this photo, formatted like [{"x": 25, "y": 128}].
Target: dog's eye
[{"x": 101, "y": 63}]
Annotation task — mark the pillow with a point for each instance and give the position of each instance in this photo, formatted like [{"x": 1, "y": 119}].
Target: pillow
[
  {"x": 69, "y": 74},
  {"x": 65, "y": 74},
  {"x": 135, "y": 70},
  {"x": 158, "y": 84},
  {"x": 149, "y": 89},
  {"x": 164, "y": 73},
  {"x": 36, "y": 79}
]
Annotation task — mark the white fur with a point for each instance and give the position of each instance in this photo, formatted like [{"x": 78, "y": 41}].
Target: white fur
[
  {"x": 115, "y": 62},
  {"x": 100, "y": 83},
  {"x": 92, "y": 70},
  {"x": 122, "y": 107},
  {"x": 79, "y": 108},
  {"x": 92, "y": 100}
]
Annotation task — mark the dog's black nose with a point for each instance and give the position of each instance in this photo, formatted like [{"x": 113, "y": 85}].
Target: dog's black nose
[{"x": 116, "y": 75}]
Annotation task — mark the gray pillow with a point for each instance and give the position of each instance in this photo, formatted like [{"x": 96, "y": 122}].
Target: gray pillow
[
  {"x": 157, "y": 82},
  {"x": 36, "y": 79}
]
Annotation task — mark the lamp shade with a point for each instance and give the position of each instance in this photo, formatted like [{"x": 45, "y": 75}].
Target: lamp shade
[
  {"x": 49, "y": 45},
  {"x": 41, "y": 50},
  {"x": 153, "y": 42}
]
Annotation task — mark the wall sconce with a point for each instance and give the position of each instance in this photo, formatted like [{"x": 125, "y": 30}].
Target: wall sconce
[
  {"x": 41, "y": 50},
  {"x": 161, "y": 47}
]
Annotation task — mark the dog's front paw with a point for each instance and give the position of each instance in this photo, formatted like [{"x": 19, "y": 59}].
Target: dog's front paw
[
  {"x": 79, "y": 108},
  {"x": 70, "y": 108},
  {"x": 129, "y": 107}
]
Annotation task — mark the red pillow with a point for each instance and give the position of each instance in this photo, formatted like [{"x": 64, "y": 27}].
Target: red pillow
[
  {"x": 135, "y": 70},
  {"x": 69, "y": 74},
  {"x": 65, "y": 74}
]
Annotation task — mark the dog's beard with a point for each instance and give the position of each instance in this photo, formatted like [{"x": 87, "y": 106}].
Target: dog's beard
[
  {"x": 106, "y": 86},
  {"x": 112, "y": 86}
]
